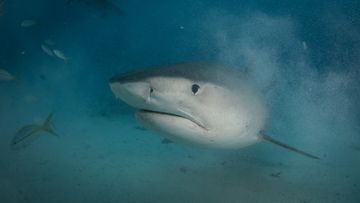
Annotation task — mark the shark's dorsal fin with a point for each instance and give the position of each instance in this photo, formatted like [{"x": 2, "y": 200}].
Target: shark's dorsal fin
[{"x": 269, "y": 139}]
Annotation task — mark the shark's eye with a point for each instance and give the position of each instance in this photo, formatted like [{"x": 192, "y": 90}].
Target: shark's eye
[
  {"x": 195, "y": 88},
  {"x": 151, "y": 90}
]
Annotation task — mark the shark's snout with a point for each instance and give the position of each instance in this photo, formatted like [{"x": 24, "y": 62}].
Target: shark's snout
[
  {"x": 135, "y": 94},
  {"x": 152, "y": 101}
]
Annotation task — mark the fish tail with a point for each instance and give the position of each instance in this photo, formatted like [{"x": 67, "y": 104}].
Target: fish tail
[
  {"x": 48, "y": 118},
  {"x": 48, "y": 126}
]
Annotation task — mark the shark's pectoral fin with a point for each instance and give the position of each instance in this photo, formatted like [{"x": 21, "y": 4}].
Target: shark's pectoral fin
[{"x": 269, "y": 139}]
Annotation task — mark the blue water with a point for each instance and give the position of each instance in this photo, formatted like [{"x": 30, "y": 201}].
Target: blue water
[{"x": 305, "y": 54}]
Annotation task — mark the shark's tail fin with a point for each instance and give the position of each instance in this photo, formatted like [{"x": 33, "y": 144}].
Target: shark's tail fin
[
  {"x": 48, "y": 126},
  {"x": 269, "y": 139}
]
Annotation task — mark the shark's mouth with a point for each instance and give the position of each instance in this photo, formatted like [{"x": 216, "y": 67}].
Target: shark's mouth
[{"x": 189, "y": 118}]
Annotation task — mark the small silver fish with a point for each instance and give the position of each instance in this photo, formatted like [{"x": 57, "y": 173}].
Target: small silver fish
[
  {"x": 60, "y": 55},
  {"x": 28, "y": 23},
  {"x": 47, "y": 50},
  {"x": 28, "y": 133},
  {"x": 4, "y": 75}
]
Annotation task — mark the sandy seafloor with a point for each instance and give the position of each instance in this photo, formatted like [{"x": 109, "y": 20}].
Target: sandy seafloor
[
  {"x": 97, "y": 159},
  {"x": 306, "y": 53}
]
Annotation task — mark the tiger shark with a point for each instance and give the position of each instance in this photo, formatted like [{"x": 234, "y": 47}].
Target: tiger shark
[{"x": 198, "y": 103}]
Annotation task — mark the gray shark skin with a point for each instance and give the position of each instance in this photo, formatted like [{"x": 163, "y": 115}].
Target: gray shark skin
[{"x": 197, "y": 103}]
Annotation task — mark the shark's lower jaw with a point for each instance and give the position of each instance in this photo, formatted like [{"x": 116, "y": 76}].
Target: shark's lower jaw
[{"x": 158, "y": 113}]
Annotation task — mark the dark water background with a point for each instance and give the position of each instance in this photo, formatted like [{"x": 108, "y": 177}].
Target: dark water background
[{"x": 102, "y": 155}]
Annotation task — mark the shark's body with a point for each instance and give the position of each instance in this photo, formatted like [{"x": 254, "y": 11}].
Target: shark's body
[{"x": 198, "y": 103}]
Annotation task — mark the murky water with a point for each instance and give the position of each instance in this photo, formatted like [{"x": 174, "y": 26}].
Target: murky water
[{"x": 57, "y": 57}]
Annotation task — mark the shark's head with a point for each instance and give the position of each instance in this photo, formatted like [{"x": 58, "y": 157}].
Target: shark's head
[{"x": 198, "y": 103}]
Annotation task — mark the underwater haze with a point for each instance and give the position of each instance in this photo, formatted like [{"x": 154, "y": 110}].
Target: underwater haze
[{"x": 64, "y": 137}]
